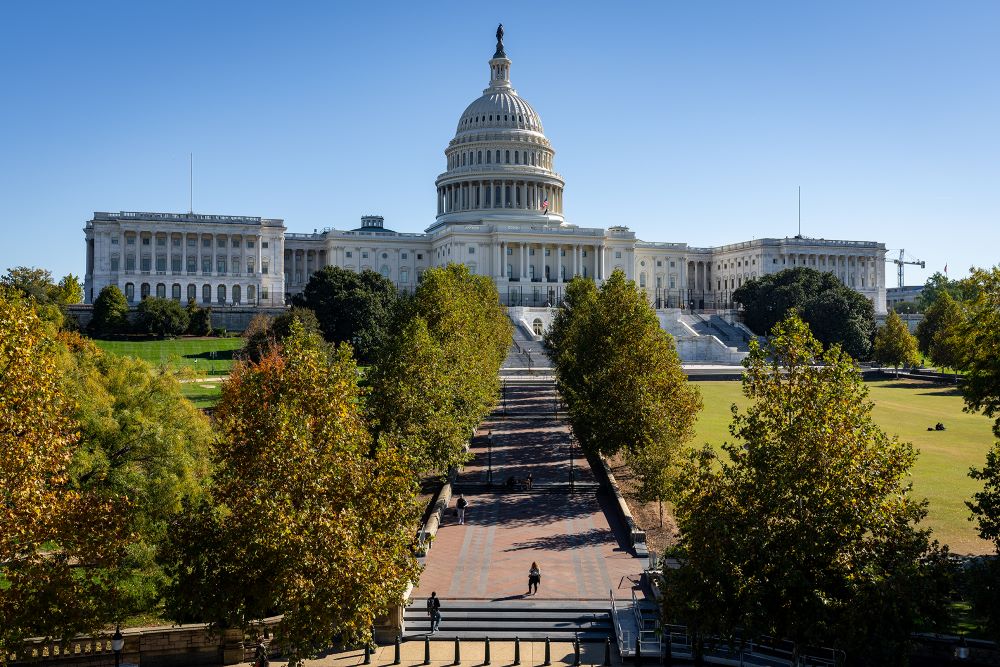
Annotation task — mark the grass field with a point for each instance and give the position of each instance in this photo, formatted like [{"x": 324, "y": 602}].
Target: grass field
[
  {"x": 213, "y": 356},
  {"x": 906, "y": 409}
]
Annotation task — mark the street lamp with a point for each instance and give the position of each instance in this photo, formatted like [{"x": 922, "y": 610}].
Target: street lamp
[
  {"x": 117, "y": 644},
  {"x": 489, "y": 452},
  {"x": 962, "y": 650}
]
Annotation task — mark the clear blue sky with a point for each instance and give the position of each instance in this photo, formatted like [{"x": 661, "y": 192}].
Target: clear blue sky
[{"x": 691, "y": 122}]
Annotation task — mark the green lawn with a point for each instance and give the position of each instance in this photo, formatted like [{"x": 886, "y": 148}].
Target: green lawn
[
  {"x": 204, "y": 393},
  {"x": 213, "y": 356},
  {"x": 906, "y": 409}
]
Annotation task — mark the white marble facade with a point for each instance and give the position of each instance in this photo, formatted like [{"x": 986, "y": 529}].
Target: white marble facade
[{"x": 499, "y": 211}]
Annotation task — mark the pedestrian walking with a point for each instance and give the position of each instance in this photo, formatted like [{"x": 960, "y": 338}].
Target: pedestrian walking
[
  {"x": 534, "y": 578},
  {"x": 434, "y": 611},
  {"x": 460, "y": 505}
]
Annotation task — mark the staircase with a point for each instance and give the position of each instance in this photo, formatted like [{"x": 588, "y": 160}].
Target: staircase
[{"x": 559, "y": 620}]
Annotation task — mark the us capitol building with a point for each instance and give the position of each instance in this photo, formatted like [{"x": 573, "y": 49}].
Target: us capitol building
[{"x": 499, "y": 211}]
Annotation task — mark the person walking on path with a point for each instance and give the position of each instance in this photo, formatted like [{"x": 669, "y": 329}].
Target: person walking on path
[
  {"x": 534, "y": 578},
  {"x": 461, "y": 504},
  {"x": 434, "y": 610}
]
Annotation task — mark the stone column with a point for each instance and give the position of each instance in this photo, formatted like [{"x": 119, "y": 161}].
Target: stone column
[
  {"x": 576, "y": 265},
  {"x": 559, "y": 263},
  {"x": 295, "y": 267},
  {"x": 544, "y": 264},
  {"x": 184, "y": 260}
]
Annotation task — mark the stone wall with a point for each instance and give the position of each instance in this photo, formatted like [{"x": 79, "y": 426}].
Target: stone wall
[{"x": 230, "y": 318}]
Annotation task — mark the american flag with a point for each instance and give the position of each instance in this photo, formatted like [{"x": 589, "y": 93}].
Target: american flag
[{"x": 545, "y": 203}]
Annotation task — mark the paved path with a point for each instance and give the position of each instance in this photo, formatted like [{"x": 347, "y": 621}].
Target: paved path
[{"x": 580, "y": 548}]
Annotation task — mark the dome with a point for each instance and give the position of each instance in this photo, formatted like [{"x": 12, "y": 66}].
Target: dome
[{"x": 499, "y": 109}]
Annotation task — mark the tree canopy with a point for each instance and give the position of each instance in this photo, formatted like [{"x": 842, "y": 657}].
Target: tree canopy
[
  {"x": 110, "y": 314},
  {"x": 162, "y": 317},
  {"x": 351, "y": 307},
  {"x": 939, "y": 284},
  {"x": 308, "y": 519},
  {"x": 836, "y": 313},
  {"x": 49, "y": 297},
  {"x": 805, "y": 528},
  {"x": 436, "y": 376},
  {"x": 894, "y": 344},
  {"x": 59, "y": 544}
]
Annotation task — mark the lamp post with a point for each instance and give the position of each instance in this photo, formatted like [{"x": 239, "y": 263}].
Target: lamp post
[
  {"x": 489, "y": 454},
  {"x": 117, "y": 644}
]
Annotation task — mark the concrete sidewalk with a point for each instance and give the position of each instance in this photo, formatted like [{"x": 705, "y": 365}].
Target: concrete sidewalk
[{"x": 472, "y": 654}]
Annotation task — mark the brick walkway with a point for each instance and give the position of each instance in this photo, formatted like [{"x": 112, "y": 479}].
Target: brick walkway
[{"x": 581, "y": 550}]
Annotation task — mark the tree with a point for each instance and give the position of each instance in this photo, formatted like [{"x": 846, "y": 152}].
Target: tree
[
  {"x": 436, "y": 375},
  {"x": 894, "y": 344},
  {"x": 978, "y": 345},
  {"x": 140, "y": 439},
  {"x": 49, "y": 297},
  {"x": 59, "y": 545},
  {"x": 836, "y": 313},
  {"x": 351, "y": 307},
  {"x": 307, "y": 518},
  {"x": 619, "y": 371},
  {"x": 806, "y": 529},
  {"x": 937, "y": 331},
  {"x": 199, "y": 319},
  {"x": 110, "y": 314},
  {"x": 939, "y": 284},
  {"x": 161, "y": 317},
  {"x": 264, "y": 332}
]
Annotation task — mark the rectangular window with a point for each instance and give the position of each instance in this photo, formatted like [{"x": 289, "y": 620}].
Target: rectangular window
[
  {"x": 175, "y": 263},
  {"x": 584, "y": 253},
  {"x": 618, "y": 254},
  {"x": 419, "y": 256},
  {"x": 548, "y": 252},
  {"x": 250, "y": 244},
  {"x": 114, "y": 262},
  {"x": 263, "y": 244},
  {"x": 671, "y": 265},
  {"x": 161, "y": 262},
  {"x": 531, "y": 252},
  {"x": 176, "y": 242},
  {"x": 510, "y": 251},
  {"x": 130, "y": 240},
  {"x": 192, "y": 264},
  {"x": 472, "y": 250},
  {"x": 364, "y": 255},
  {"x": 236, "y": 243},
  {"x": 562, "y": 253},
  {"x": 220, "y": 264},
  {"x": 206, "y": 266},
  {"x": 403, "y": 255},
  {"x": 130, "y": 263},
  {"x": 206, "y": 243},
  {"x": 671, "y": 282},
  {"x": 161, "y": 241},
  {"x": 404, "y": 276},
  {"x": 264, "y": 266},
  {"x": 249, "y": 267},
  {"x": 114, "y": 240},
  {"x": 263, "y": 292},
  {"x": 146, "y": 264},
  {"x": 192, "y": 242},
  {"x": 145, "y": 240},
  {"x": 659, "y": 263}
]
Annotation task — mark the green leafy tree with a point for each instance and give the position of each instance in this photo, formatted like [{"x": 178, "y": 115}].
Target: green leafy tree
[
  {"x": 978, "y": 344},
  {"x": 937, "y": 333},
  {"x": 939, "y": 284},
  {"x": 199, "y": 319},
  {"x": 805, "y": 528},
  {"x": 307, "y": 518},
  {"x": 140, "y": 439},
  {"x": 59, "y": 545},
  {"x": 894, "y": 344},
  {"x": 264, "y": 331},
  {"x": 161, "y": 317},
  {"x": 351, "y": 307},
  {"x": 436, "y": 376},
  {"x": 110, "y": 314},
  {"x": 619, "y": 371},
  {"x": 836, "y": 313},
  {"x": 50, "y": 298}
]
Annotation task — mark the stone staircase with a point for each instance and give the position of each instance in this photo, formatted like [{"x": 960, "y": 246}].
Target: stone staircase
[{"x": 559, "y": 620}]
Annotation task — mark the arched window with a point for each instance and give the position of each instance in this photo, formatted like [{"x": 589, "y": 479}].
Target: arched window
[
  {"x": 506, "y": 157},
  {"x": 130, "y": 291},
  {"x": 251, "y": 294},
  {"x": 221, "y": 294},
  {"x": 206, "y": 294},
  {"x": 236, "y": 294},
  {"x": 192, "y": 292},
  {"x": 584, "y": 272},
  {"x": 384, "y": 270},
  {"x": 517, "y": 156},
  {"x": 510, "y": 270},
  {"x": 546, "y": 272},
  {"x": 538, "y": 327},
  {"x": 144, "y": 291},
  {"x": 488, "y": 156},
  {"x": 531, "y": 271},
  {"x": 479, "y": 157},
  {"x": 161, "y": 291},
  {"x": 175, "y": 292},
  {"x": 463, "y": 159},
  {"x": 498, "y": 157}
]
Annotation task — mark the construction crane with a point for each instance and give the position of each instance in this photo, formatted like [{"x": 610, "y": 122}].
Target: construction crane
[{"x": 902, "y": 261}]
